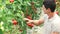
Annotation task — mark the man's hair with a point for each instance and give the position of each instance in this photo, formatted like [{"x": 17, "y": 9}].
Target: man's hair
[{"x": 50, "y": 4}]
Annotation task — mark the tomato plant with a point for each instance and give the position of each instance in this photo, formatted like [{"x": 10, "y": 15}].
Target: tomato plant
[{"x": 12, "y": 13}]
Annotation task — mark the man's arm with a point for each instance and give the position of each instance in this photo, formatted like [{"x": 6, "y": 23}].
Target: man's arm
[
  {"x": 36, "y": 22},
  {"x": 55, "y": 33}
]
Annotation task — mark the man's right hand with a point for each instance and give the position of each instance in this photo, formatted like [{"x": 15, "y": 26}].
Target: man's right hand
[{"x": 26, "y": 19}]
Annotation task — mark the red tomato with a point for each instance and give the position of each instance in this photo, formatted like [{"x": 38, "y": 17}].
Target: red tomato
[
  {"x": 29, "y": 17},
  {"x": 55, "y": 0},
  {"x": 11, "y": 1},
  {"x": 30, "y": 24},
  {"x": 57, "y": 12},
  {"x": 14, "y": 22}
]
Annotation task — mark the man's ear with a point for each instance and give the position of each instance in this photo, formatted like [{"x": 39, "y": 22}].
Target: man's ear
[{"x": 49, "y": 11}]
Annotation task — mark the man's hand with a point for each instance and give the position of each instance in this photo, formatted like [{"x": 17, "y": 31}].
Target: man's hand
[{"x": 26, "y": 19}]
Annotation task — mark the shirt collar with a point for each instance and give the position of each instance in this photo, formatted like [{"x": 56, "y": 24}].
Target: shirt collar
[{"x": 51, "y": 19}]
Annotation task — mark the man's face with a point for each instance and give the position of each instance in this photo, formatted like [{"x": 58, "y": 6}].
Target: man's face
[{"x": 46, "y": 11}]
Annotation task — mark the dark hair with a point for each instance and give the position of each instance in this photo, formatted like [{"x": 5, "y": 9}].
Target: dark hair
[{"x": 50, "y": 4}]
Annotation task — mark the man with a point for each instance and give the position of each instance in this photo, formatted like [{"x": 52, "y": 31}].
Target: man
[{"x": 51, "y": 20}]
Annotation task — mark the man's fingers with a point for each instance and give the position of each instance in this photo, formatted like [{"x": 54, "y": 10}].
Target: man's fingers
[
  {"x": 27, "y": 22},
  {"x": 26, "y": 19}
]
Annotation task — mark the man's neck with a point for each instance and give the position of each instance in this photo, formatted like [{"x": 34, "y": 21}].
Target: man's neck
[{"x": 50, "y": 15}]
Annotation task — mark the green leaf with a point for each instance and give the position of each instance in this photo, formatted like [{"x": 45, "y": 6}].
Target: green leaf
[{"x": 1, "y": 32}]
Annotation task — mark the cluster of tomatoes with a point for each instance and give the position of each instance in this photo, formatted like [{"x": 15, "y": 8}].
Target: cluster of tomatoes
[{"x": 30, "y": 24}]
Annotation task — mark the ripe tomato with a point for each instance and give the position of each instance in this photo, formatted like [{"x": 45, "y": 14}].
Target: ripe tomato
[
  {"x": 29, "y": 17},
  {"x": 55, "y": 0},
  {"x": 11, "y": 1},
  {"x": 57, "y": 12},
  {"x": 14, "y": 22},
  {"x": 30, "y": 24}
]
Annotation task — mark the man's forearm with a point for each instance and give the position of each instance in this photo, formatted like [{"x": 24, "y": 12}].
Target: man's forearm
[
  {"x": 37, "y": 22},
  {"x": 55, "y": 33}
]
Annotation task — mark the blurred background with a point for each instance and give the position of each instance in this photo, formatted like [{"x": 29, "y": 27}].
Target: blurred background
[{"x": 12, "y": 13}]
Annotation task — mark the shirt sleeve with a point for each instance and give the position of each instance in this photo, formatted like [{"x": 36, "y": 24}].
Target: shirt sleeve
[{"x": 43, "y": 16}]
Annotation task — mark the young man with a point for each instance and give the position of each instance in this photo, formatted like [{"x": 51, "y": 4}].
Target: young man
[{"x": 51, "y": 20}]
